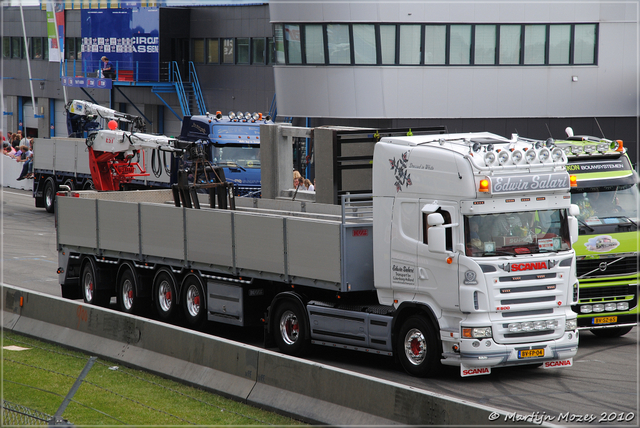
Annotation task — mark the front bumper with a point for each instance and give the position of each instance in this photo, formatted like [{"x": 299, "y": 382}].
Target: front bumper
[{"x": 488, "y": 353}]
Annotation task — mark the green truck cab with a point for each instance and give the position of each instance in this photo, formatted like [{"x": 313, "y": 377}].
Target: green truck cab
[{"x": 606, "y": 190}]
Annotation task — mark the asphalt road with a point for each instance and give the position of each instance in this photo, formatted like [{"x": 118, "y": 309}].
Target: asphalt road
[{"x": 601, "y": 388}]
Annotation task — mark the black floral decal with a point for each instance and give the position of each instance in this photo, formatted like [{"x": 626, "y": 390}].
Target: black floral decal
[{"x": 399, "y": 168}]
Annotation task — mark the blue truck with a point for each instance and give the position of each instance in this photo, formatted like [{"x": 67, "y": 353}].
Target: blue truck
[{"x": 231, "y": 142}]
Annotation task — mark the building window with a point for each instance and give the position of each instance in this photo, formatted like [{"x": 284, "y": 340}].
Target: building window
[
  {"x": 242, "y": 47},
  {"x": 535, "y": 43},
  {"x": 213, "y": 51},
  {"x": 364, "y": 44},
  {"x": 197, "y": 51},
  {"x": 314, "y": 44},
  {"x": 510, "y": 44},
  {"x": 16, "y": 47},
  {"x": 227, "y": 51},
  {"x": 435, "y": 44},
  {"x": 292, "y": 40},
  {"x": 271, "y": 51},
  {"x": 279, "y": 52},
  {"x": 338, "y": 44},
  {"x": 585, "y": 44},
  {"x": 6, "y": 47},
  {"x": 559, "y": 44},
  {"x": 36, "y": 48},
  {"x": 485, "y": 45},
  {"x": 388, "y": 44},
  {"x": 460, "y": 45},
  {"x": 257, "y": 51},
  {"x": 73, "y": 48}
]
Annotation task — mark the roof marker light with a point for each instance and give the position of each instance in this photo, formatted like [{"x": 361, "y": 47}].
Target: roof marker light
[
  {"x": 550, "y": 144},
  {"x": 620, "y": 147},
  {"x": 503, "y": 157},
  {"x": 602, "y": 147},
  {"x": 232, "y": 115}
]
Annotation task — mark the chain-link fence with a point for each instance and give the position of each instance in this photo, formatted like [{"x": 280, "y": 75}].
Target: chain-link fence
[{"x": 15, "y": 414}]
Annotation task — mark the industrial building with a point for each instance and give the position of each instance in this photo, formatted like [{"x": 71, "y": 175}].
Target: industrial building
[{"x": 530, "y": 67}]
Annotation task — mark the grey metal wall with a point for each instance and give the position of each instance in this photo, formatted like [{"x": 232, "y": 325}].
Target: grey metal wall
[{"x": 606, "y": 90}]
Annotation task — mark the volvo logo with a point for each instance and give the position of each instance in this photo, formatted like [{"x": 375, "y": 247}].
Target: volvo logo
[{"x": 602, "y": 266}]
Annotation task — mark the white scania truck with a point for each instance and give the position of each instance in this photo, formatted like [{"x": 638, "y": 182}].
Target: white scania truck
[{"x": 463, "y": 256}]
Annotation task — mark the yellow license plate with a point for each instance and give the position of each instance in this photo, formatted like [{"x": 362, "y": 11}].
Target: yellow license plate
[
  {"x": 530, "y": 353},
  {"x": 604, "y": 320}
]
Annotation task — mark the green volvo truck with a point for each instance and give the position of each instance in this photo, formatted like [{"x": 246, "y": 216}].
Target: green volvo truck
[{"x": 605, "y": 188}]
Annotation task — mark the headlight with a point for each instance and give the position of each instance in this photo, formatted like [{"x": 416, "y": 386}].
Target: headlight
[
  {"x": 516, "y": 156},
  {"x": 489, "y": 158},
  {"x": 503, "y": 157},
  {"x": 530, "y": 156},
  {"x": 623, "y": 306},
  {"x": 602, "y": 147},
  {"x": 240, "y": 115},
  {"x": 589, "y": 149},
  {"x": 557, "y": 154},
  {"x": 586, "y": 309},
  {"x": 516, "y": 327},
  {"x": 598, "y": 308},
  {"x": 544, "y": 155},
  {"x": 476, "y": 332},
  {"x": 232, "y": 115},
  {"x": 571, "y": 324},
  {"x": 610, "y": 307}
]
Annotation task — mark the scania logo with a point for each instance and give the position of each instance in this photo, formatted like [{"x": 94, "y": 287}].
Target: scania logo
[
  {"x": 602, "y": 266},
  {"x": 515, "y": 267}
]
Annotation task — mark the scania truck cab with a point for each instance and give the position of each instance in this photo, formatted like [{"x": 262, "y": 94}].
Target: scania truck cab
[
  {"x": 231, "y": 142},
  {"x": 475, "y": 230},
  {"x": 607, "y": 250}
]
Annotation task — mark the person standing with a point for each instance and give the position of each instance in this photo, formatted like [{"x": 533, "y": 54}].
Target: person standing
[{"x": 107, "y": 69}]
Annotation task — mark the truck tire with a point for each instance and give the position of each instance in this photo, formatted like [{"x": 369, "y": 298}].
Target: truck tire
[
  {"x": 165, "y": 295},
  {"x": 90, "y": 291},
  {"x": 88, "y": 185},
  {"x": 611, "y": 332},
  {"x": 127, "y": 300},
  {"x": 49, "y": 195},
  {"x": 71, "y": 183},
  {"x": 290, "y": 329},
  {"x": 194, "y": 301},
  {"x": 417, "y": 347}
]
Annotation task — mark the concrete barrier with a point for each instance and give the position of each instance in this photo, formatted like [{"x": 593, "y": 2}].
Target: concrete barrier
[
  {"x": 311, "y": 392},
  {"x": 11, "y": 171}
]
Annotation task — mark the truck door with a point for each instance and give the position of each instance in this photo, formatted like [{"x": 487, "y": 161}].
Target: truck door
[
  {"x": 436, "y": 277},
  {"x": 404, "y": 242}
]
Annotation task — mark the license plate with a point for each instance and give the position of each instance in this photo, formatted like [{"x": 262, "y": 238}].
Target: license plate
[
  {"x": 604, "y": 320},
  {"x": 531, "y": 353}
]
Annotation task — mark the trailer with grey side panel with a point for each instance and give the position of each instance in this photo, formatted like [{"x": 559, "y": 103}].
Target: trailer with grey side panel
[{"x": 139, "y": 246}]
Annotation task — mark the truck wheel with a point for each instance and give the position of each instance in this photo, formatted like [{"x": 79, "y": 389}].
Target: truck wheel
[
  {"x": 417, "y": 347},
  {"x": 88, "y": 185},
  {"x": 611, "y": 332},
  {"x": 90, "y": 291},
  {"x": 71, "y": 183},
  {"x": 164, "y": 295},
  {"x": 49, "y": 195},
  {"x": 290, "y": 329},
  {"x": 127, "y": 299},
  {"x": 194, "y": 303}
]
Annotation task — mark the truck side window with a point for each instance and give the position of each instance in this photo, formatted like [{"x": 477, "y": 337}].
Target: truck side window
[{"x": 448, "y": 233}]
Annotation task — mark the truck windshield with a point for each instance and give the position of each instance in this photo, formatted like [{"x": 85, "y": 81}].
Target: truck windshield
[
  {"x": 525, "y": 232},
  {"x": 607, "y": 204},
  {"x": 245, "y": 156}
]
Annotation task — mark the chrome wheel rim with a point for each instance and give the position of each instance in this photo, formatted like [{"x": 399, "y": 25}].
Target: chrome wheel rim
[
  {"x": 193, "y": 301},
  {"x": 165, "y": 296},
  {"x": 127, "y": 294},
  {"x": 415, "y": 346},
  {"x": 289, "y": 328},
  {"x": 88, "y": 286}
]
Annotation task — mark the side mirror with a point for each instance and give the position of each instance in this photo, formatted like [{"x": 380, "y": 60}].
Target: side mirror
[
  {"x": 573, "y": 229},
  {"x": 436, "y": 233},
  {"x": 574, "y": 210}
]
